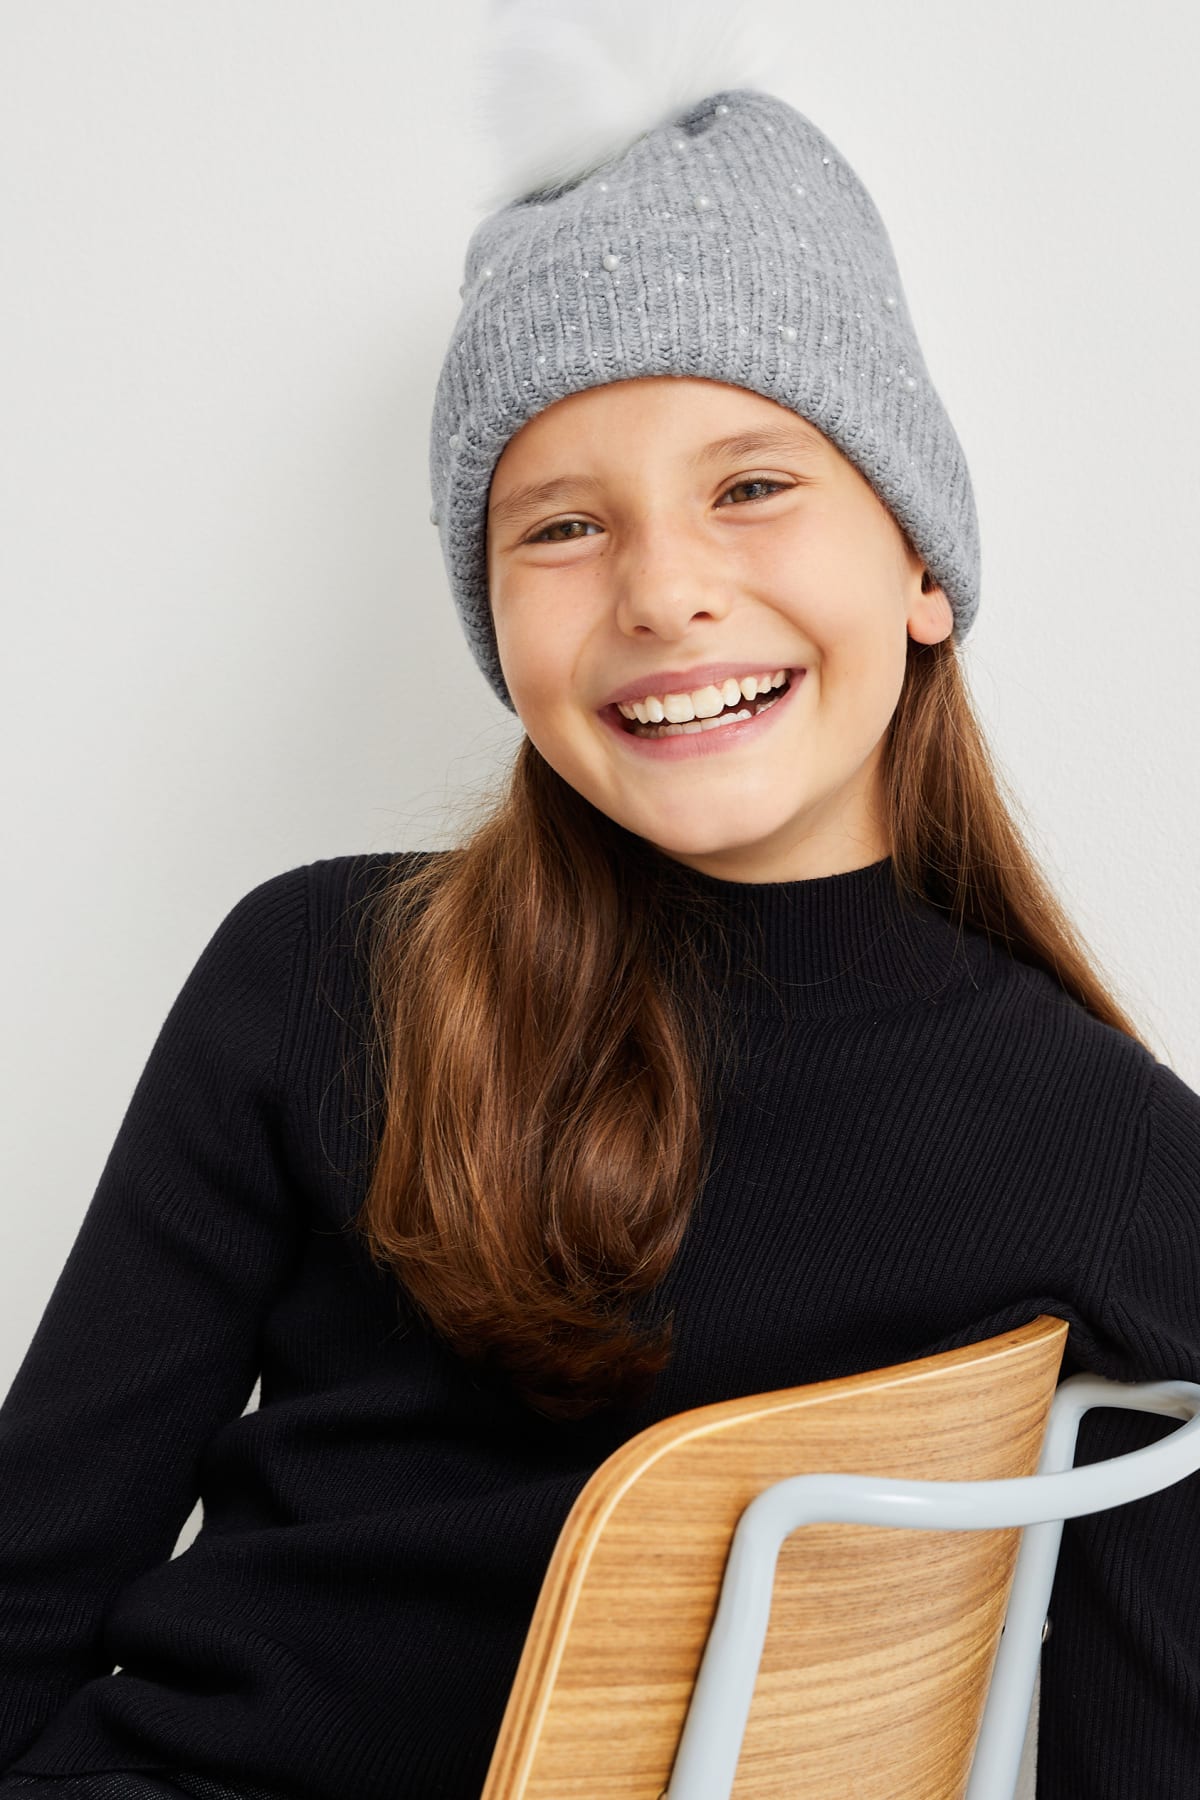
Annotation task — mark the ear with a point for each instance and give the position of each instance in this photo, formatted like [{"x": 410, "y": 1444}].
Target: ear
[{"x": 930, "y": 615}]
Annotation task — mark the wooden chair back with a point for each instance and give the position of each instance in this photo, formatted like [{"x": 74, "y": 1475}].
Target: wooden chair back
[{"x": 881, "y": 1642}]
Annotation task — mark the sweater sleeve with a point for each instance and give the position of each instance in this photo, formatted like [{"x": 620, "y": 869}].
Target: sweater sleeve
[
  {"x": 1153, "y": 1301},
  {"x": 149, "y": 1341},
  {"x": 1121, "y": 1668}
]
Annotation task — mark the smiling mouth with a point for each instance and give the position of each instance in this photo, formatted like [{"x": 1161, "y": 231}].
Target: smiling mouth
[{"x": 733, "y": 714}]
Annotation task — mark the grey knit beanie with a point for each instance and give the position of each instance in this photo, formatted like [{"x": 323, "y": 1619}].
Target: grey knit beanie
[{"x": 734, "y": 242}]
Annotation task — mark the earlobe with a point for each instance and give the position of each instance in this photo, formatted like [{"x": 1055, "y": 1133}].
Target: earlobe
[{"x": 931, "y": 617}]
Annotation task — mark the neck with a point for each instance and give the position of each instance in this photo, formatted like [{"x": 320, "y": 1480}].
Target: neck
[{"x": 828, "y": 944}]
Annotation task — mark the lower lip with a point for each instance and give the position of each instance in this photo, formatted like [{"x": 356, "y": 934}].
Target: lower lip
[{"x": 703, "y": 743}]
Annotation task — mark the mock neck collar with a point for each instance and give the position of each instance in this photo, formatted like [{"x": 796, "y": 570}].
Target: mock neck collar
[{"x": 830, "y": 944}]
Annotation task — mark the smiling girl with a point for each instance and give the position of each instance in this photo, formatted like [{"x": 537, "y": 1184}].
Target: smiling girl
[
  {"x": 724, "y": 541},
  {"x": 743, "y": 1045}
]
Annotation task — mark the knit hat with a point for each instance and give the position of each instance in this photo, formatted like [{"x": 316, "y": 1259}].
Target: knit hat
[{"x": 728, "y": 239}]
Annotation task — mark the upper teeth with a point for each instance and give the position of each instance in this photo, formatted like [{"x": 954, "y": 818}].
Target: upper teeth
[{"x": 704, "y": 703}]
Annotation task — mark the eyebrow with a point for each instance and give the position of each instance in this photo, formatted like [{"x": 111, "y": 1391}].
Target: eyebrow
[{"x": 525, "y": 500}]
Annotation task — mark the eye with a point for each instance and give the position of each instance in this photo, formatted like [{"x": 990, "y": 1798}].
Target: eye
[
  {"x": 758, "y": 481},
  {"x": 752, "y": 481},
  {"x": 540, "y": 537}
]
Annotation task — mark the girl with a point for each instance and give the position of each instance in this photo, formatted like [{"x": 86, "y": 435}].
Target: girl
[{"x": 744, "y": 1045}]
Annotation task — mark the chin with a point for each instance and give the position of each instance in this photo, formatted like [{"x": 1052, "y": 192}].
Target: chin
[{"x": 705, "y": 841}]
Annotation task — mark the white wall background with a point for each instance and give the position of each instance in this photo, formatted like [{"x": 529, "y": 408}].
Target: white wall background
[{"x": 232, "y": 240}]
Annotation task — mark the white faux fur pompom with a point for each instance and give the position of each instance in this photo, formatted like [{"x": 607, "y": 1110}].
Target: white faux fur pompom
[{"x": 564, "y": 85}]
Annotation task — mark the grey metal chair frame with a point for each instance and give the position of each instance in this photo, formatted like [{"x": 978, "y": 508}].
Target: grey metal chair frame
[{"x": 706, "y": 1760}]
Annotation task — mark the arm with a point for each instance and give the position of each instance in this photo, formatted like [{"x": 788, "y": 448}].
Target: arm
[
  {"x": 1120, "y": 1703},
  {"x": 149, "y": 1341}
]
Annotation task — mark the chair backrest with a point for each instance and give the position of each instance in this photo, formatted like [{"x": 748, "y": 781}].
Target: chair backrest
[
  {"x": 875, "y": 1635},
  {"x": 706, "y": 1761}
]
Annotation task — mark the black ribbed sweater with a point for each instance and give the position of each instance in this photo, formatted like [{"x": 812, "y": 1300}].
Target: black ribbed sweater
[{"x": 924, "y": 1142}]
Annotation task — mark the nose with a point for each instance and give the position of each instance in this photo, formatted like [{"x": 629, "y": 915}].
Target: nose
[{"x": 669, "y": 581}]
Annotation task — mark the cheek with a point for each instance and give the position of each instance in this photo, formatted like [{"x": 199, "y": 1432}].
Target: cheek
[
  {"x": 535, "y": 656},
  {"x": 864, "y": 673},
  {"x": 858, "y": 638},
  {"x": 510, "y": 623},
  {"x": 545, "y": 622}
]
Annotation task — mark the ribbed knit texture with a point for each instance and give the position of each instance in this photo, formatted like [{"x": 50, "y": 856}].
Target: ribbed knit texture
[
  {"x": 123, "y": 1784},
  {"x": 737, "y": 244},
  {"x": 919, "y": 1143}
]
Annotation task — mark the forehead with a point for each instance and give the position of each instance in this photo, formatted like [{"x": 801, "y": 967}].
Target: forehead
[
  {"x": 674, "y": 407},
  {"x": 698, "y": 422}
]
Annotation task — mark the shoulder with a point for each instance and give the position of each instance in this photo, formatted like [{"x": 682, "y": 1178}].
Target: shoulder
[
  {"x": 1173, "y": 1140},
  {"x": 1106, "y": 1139},
  {"x": 325, "y": 910},
  {"x": 1049, "y": 1038},
  {"x": 325, "y": 892},
  {"x": 1110, "y": 1099},
  {"x": 1150, "y": 1304},
  {"x": 291, "y": 925},
  {"x": 289, "y": 965},
  {"x": 343, "y": 891}
]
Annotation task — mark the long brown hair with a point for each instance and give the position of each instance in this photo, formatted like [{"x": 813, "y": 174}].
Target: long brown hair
[{"x": 539, "y": 1037}]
